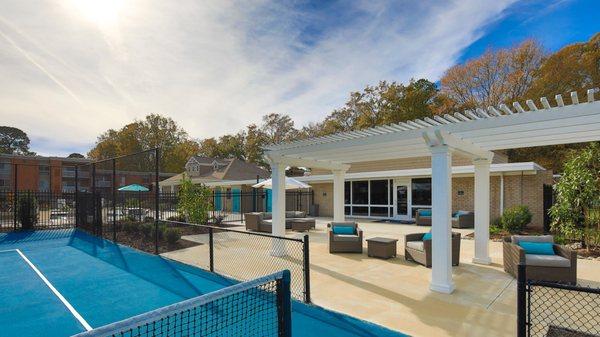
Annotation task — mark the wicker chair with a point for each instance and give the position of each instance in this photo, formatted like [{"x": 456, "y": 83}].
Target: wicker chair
[
  {"x": 423, "y": 220},
  {"x": 345, "y": 243},
  {"x": 418, "y": 250},
  {"x": 561, "y": 267},
  {"x": 463, "y": 219}
]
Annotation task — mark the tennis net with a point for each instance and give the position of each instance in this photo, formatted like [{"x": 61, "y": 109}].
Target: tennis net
[{"x": 261, "y": 307}]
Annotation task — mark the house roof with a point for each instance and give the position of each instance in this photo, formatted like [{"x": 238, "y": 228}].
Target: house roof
[{"x": 230, "y": 169}]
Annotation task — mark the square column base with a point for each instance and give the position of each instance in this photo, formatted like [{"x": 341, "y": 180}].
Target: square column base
[
  {"x": 479, "y": 260},
  {"x": 442, "y": 288}
]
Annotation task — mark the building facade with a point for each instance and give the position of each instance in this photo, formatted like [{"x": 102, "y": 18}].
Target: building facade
[
  {"x": 396, "y": 189},
  {"x": 58, "y": 174}
]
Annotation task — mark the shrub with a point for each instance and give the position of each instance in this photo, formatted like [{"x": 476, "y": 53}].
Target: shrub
[
  {"x": 178, "y": 218},
  {"x": 147, "y": 230},
  {"x": 195, "y": 201},
  {"x": 130, "y": 227},
  {"x": 172, "y": 235},
  {"x": 27, "y": 211},
  {"x": 516, "y": 218}
]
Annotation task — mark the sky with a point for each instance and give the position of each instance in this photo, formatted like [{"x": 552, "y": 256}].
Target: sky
[{"x": 72, "y": 69}]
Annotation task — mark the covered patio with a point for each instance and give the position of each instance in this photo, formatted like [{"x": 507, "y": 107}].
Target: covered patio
[{"x": 471, "y": 134}]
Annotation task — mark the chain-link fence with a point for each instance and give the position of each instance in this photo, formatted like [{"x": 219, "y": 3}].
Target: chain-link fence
[
  {"x": 549, "y": 309},
  {"x": 244, "y": 255}
]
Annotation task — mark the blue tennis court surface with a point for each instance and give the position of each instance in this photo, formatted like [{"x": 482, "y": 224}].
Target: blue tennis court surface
[{"x": 104, "y": 282}]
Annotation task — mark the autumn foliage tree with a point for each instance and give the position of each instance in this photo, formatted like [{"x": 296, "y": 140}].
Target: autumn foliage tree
[{"x": 151, "y": 132}]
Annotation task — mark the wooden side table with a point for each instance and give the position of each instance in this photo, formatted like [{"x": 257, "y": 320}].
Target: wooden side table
[{"x": 383, "y": 248}]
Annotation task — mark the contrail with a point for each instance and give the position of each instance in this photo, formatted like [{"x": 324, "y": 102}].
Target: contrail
[{"x": 40, "y": 67}]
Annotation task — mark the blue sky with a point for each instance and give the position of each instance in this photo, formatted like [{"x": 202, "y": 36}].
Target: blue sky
[{"x": 75, "y": 68}]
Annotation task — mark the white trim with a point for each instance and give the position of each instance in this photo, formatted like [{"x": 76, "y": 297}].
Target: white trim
[
  {"x": 54, "y": 290},
  {"x": 526, "y": 167}
]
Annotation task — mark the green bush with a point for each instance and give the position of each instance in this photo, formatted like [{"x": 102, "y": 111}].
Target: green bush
[
  {"x": 130, "y": 227},
  {"x": 515, "y": 218},
  {"x": 172, "y": 235},
  {"x": 27, "y": 207},
  {"x": 147, "y": 230}
]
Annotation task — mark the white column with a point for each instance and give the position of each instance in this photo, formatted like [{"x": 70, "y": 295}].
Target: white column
[
  {"x": 278, "y": 207},
  {"x": 482, "y": 210},
  {"x": 441, "y": 228},
  {"x": 338, "y": 195}
]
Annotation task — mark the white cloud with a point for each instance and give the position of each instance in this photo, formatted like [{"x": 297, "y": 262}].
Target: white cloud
[{"x": 68, "y": 75}]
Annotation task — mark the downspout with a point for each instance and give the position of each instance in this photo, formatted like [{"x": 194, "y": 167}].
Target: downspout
[{"x": 501, "y": 193}]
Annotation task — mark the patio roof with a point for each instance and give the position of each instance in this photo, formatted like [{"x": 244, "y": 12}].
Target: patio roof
[
  {"x": 474, "y": 134},
  {"x": 471, "y": 131}
]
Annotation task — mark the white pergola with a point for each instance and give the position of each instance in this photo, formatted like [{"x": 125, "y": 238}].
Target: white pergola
[{"x": 474, "y": 134}]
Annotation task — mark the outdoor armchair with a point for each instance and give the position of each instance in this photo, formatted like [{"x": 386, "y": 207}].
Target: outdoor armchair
[
  {"x": 418, "y": 250},
  {"x": 463, "y": 219},
  {"x": 423, "y": 217},
  {"x": 345, "y": 243},
  {"x": 561, "y": 267}
]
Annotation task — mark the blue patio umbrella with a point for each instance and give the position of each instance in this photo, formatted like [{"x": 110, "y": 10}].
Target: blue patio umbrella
[{"x": 136, "y": 188}]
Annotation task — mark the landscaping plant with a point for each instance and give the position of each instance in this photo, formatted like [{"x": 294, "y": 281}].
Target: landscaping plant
[
  {"x": 578, "y": 197},
  {"x": 194, "y": 201},
  {"x": 27, "y": 210},
  {"x": 172, "y": 235},
  {"x": 515, "y": 219}
]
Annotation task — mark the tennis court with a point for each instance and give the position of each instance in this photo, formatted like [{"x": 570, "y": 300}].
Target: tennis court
[{"x": 63, "y": 282}]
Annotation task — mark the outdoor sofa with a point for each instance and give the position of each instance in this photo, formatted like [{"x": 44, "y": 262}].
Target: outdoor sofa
[
  {"x": 262, "y": 221},
  {"x": 345, "y": 237},
  {"x": 559, "y": 267},
  {"x": 460, "y": 219},
  {"x": 418, "y": 250}
]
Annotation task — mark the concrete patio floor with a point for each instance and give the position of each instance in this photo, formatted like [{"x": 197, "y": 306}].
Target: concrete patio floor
[{"x": 395, "y": 293}]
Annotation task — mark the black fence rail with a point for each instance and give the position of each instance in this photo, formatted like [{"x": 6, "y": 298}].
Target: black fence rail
[
  {"x": 549, "y": 309},
  {"x": 244, "y": 255},
  {"x": 22, "y": 210}
]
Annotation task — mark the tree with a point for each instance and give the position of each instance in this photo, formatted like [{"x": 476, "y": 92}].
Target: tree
[
  {"x": 577, "y": 192},
  {"x": 153, "y": 131},
  {"x": 384, "y": 103},
  {"x": 14, "y": 141},
  {"x": 495, "y": 77},
  {"x": 75, "y": 155},
  {"x": 278, "y": 128},
  {"x": 194, "y": 201}
]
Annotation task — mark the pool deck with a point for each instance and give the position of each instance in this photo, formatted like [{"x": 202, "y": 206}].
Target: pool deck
[{"x": 395, "y": 293}]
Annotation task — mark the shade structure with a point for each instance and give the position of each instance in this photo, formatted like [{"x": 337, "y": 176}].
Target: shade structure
[
  {"x": 290, "y": 184},
  {"x": 134, "y": 188}
]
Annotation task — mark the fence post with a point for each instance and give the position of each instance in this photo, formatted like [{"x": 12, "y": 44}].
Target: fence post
[
  {"x": 156, "y": 201},
  {"x": 15, "y": 202},
  {"x": 521, "y": 301},
  {"x": 114, "y": 197},
  {"x": 94, "y": 203},
  {"x": 211, "y": 250},
  {"x": 76, "y": 195},
  {"x": 284, "y": 305},
  {"x": 306, "y": 268}
]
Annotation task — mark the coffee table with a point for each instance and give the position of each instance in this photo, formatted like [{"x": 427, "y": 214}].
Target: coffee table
[
  {"x": 302, "y": 225},
  {"x": 380, "y": 247}
]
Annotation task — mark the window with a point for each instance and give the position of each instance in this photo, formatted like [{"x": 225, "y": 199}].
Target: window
[
  {"x": 421, "y": 191},
  {"x": 347, "y": 193},
  {"x": 379, "y": 211},
  {"x": 379, "y": 192},
  {"x": 44, "y": 170},
  {"x": 360, "y": 192},
  {"x": 360, "y": 211}
]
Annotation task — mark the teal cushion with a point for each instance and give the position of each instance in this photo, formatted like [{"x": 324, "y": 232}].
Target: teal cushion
[
  {"x": 455, "y": 214},
  {"x": 425, "y": 212},
  {"x": 346, "y": 230},
  {"x": 537, "y": 248},
  {"x": 427, "y": 236},
  {"x": 462, "y": 213}
]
